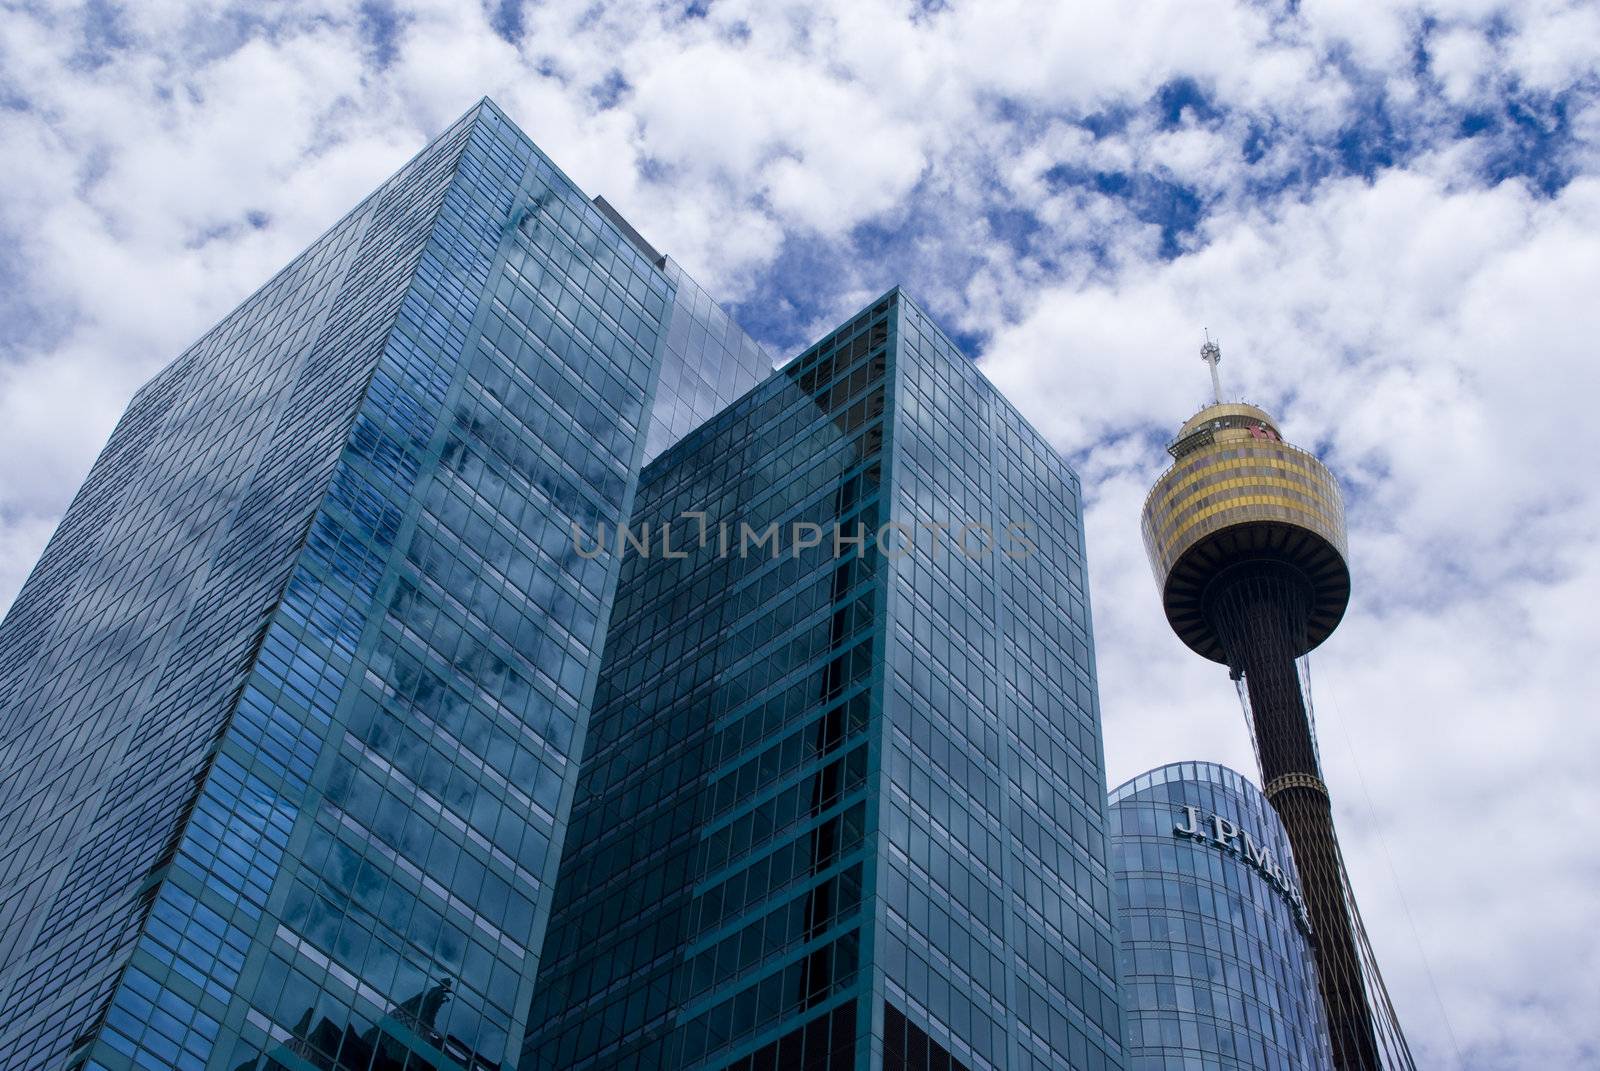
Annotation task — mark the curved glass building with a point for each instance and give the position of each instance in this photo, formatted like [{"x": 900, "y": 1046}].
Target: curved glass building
[{"x": 1216, "y": 961}]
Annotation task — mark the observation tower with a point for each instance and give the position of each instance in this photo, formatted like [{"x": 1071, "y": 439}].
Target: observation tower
[{"x": 1246, "y": 536}]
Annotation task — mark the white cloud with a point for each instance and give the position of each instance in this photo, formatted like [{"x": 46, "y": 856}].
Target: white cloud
[
  {"x": 1462, "y": 59},
  {"x": 1558, "y": 45},
  {"x": 1376, "y": 36}
]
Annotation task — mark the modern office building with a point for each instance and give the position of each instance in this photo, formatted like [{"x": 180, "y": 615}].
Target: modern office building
[
  {"x": 1245, "y": 534},
  {"x": 291, "y": 707},
  {"x": 842, "y": 801},
  {"x": 1216, "y": 956}
]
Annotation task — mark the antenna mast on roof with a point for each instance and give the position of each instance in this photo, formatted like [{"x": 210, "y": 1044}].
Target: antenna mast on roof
[{"x": 1211, "y": 354}]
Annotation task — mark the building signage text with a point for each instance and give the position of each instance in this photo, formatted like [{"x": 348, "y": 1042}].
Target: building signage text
[{"x": 1227, "y": 835}]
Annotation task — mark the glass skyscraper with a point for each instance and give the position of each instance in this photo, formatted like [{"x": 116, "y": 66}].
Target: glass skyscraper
[
  {"x": 291, "y": 707},
  {"x": 1217, "y": 966},
  {"x": 842, "y": 801}
]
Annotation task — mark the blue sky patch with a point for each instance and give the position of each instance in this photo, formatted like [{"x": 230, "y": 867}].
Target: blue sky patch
[
  {"x": 505, "y": 18},
  {"x": 1530, "y": 138},
  {"x": 380, "y": 30},
  {"x": 1182, "y": 99}
]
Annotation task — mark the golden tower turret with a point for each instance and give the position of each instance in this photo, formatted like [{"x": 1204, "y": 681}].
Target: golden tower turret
[{"x": 1237, "y": 492}]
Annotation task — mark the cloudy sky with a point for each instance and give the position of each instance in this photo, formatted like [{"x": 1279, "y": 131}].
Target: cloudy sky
[{"x": 1389, "y": 214}]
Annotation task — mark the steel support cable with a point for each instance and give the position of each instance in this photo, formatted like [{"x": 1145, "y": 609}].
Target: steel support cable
[
  {"x": 1381, "y": 986},
  {"x": 1306, "y": 817},
  {"x": 1387, "y": 1021},
  {"x": 1396, "y": 1054}
]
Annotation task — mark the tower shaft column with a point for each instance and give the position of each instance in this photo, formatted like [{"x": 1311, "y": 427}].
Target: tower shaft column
[
  {"x": 1259, "y": 611},
  {"x": 1308, "y": 818}
]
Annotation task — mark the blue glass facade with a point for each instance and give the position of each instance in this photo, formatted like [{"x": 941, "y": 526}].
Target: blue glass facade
[
  {"x": 291, "y": 707},
  {"x": 842, "y": 802},
  {"x": 1216, "y": 960},
  {"x": 707, "y": 361}
]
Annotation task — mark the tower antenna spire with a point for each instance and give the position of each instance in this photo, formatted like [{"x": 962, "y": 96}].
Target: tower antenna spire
[{"x": 1211, "y": 354}]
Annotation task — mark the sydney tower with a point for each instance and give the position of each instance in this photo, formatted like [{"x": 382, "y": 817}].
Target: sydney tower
[{"x": 1247, "y": 539}]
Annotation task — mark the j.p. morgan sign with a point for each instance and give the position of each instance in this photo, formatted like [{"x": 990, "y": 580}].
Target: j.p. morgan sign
[{"x": 1219, "y": 832}]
